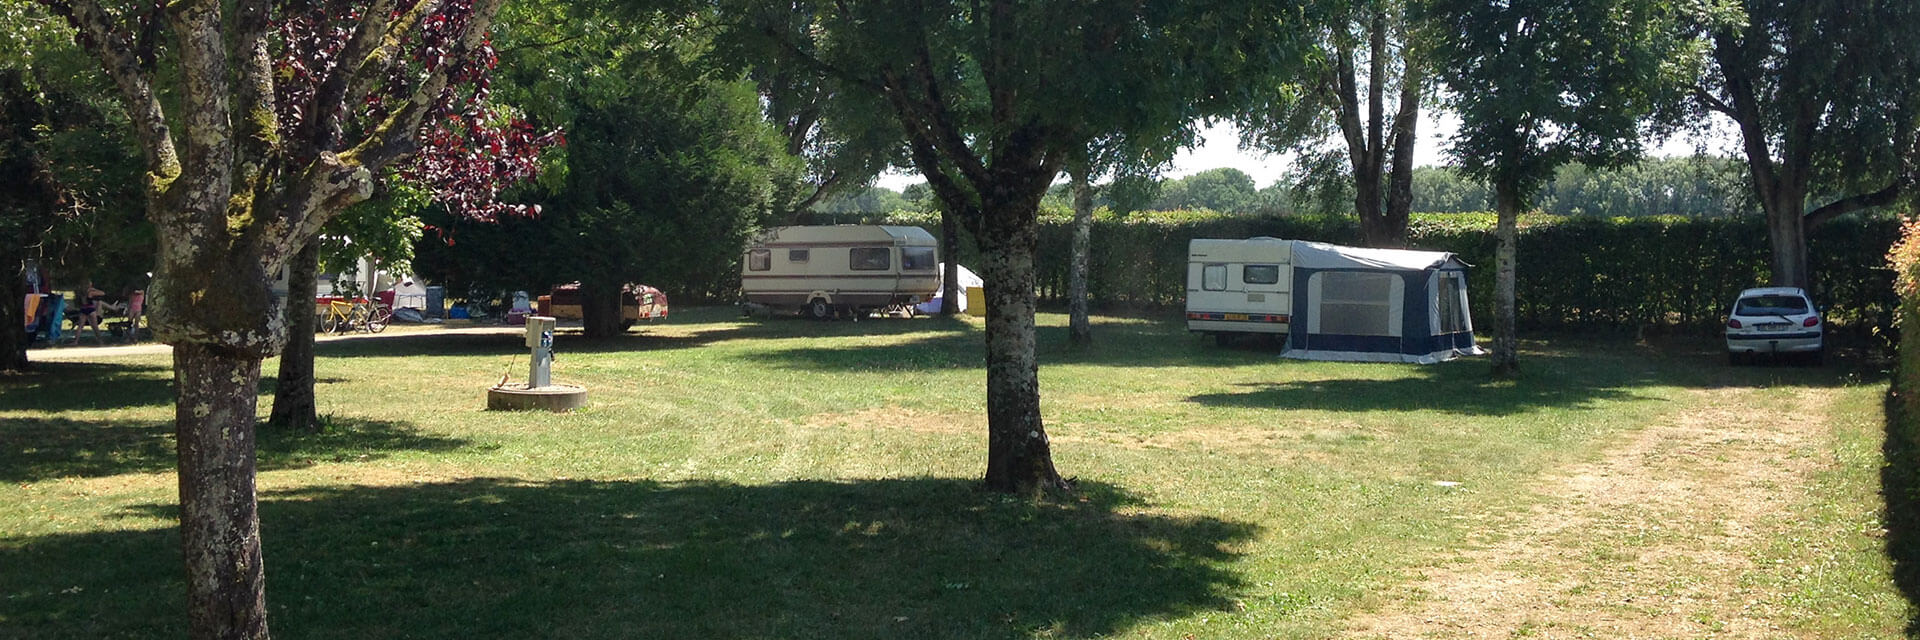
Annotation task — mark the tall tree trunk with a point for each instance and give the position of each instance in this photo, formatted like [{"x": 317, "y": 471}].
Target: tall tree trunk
[
  {"x": 1787, "y": 232},
  {"x": 1506, "y": 342},
  {"x": 1079, "y": 328},
  {"x": 1367, "y": 201},
  {"x": 1399, "y": 205},
  {"x": 293, "y": 397},
  {"x": 13, "y": 310},
  {"x": 600, "y": 312},
  {"x": 28, "y": 197},
  {"x": 219, "y": 524},
  {"x": 1019, "y": 458},
  {"x": 950, "y": 271},
  {"x": 1368, "y": 197}
]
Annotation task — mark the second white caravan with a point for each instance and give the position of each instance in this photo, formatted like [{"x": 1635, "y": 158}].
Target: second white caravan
[{"x": 838, "y": 270}]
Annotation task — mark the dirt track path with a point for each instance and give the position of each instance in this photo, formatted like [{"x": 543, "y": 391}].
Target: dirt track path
[{"x": 1648, "y": 542}]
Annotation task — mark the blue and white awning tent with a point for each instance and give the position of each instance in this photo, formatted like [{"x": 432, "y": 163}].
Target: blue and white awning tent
[{"x": 1378, "y": 305}]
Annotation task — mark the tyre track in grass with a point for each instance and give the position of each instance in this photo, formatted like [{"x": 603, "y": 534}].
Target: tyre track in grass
[{"x": 1650, "y": 541}]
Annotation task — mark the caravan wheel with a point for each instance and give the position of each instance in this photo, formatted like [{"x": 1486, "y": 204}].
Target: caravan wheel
[{"x": 818, "y": 309}]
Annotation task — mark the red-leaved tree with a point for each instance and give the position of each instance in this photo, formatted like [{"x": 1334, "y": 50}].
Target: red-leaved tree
[
  {"x": 264, "y": 155},
  {"x": 467, "y": 154}
]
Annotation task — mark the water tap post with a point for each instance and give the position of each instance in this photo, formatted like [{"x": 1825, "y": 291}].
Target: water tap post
[{"x": 540, "y": 340}]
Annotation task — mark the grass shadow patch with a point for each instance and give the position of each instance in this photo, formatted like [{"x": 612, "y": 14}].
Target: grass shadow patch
[
  {"x": 35, "y": 449},
  {"x": 943, "y": 351},
  {"x": 1459, "y": 387},
  {"x": 86, "y": 386},
  {"x": 904, "y": 558},
  {"x": 709, "y": 328}
]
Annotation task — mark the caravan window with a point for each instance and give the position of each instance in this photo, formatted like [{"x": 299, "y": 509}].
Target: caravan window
[
  {"x": 1260, "y": 274},
  {"x": 1214, "y": 277},
  {"x": 1356, "y": 304},
  {"x": 870, "y": 259},
  {"x": 797, "y": 255},
  {"x": 759, "y": 260},
  {"x": 917, "y": 258}
]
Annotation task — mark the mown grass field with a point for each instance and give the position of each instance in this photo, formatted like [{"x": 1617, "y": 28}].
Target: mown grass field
[{"x": 791, "y": 479}]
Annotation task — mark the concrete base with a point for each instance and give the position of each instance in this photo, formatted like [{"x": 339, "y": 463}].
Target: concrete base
[{"x": 558, "y": 398}]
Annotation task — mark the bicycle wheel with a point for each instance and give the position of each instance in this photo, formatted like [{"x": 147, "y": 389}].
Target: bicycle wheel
[
  {"x": 332, "y": 325},
  {"x": 377, "y": 320}
]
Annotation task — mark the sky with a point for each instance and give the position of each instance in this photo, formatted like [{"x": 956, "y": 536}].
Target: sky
[{"x": 1220, "y": 147}]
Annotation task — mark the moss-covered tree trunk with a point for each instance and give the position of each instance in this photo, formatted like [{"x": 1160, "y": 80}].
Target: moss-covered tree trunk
[
  {"x": 1506, "y": 342},
  {"x": 219, "y": 524},
  {"x": 1019, "y": 456},
  {"x": 293, "y": 393}
]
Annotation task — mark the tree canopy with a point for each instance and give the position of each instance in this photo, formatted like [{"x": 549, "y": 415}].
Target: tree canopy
[
  {"x": 993, "y": 99},
  {"x": 1827, "y": 109},
  {"x": 1539, "y": 84}
]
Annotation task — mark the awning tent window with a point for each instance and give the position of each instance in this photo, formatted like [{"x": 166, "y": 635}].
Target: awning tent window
[
  {"x": 1451, "y": 290},
  {"x": 1356, "y": 304}
]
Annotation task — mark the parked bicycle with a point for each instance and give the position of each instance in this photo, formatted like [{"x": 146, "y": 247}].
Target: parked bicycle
[{"x": 363, "y": 315}]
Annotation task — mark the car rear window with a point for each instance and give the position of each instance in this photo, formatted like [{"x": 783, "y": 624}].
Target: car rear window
[{"x": 1771, "y": 306}]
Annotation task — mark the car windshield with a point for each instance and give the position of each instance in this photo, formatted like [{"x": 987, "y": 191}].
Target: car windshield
[{"x": 1775, "y": 305}]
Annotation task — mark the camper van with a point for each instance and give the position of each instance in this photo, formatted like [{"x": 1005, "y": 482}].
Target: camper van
[
  {"x": 1332, "y": 302},
  {"x": 840, "y": 270}
]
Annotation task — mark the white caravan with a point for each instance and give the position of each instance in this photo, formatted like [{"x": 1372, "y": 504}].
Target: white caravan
[
  {"x": 1333, "y": 302},
  {"x": 1239, "y": 286},
  {"x": 827, "y": 271}
]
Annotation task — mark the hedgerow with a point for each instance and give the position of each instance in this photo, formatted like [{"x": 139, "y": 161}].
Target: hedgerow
[{"x": 1574, "y": 272}]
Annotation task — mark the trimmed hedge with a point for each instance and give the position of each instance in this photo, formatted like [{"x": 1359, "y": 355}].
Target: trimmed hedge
[{"x": 1574, "y": 272}]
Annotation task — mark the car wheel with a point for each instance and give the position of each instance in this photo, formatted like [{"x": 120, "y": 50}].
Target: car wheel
[{"x": 818, "y": 309}]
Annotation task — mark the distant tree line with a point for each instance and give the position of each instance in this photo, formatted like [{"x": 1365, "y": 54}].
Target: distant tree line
[{"x": 1693, "y": 187}]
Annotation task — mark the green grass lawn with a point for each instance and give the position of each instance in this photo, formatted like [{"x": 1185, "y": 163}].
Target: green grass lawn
[{"x": 792, "y": 479}]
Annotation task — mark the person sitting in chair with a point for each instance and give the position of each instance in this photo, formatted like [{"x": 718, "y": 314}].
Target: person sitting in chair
[{"x": 91, "y": 309}]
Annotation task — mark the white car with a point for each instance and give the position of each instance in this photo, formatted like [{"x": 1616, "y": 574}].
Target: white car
[{"x": 1775, "y": 320}]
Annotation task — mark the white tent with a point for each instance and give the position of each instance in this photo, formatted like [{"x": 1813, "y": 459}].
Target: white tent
[{"x": 966, "y": 278}]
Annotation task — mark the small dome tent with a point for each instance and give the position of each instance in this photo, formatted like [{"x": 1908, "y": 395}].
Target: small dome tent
[{"x": 1378, "y": 305}]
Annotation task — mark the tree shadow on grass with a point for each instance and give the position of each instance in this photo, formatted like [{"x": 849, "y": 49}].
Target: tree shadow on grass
[
  {"x": 499, "y": 558},
  {"x": 1565, "y": 372},
  {"x": 1458, "y": 387},
  {"x": 1135, "y": 344},
  {"x": 35, "y": 449},
  {"x": 86, "y": 386},
  {"x": 642, "y": 338}
]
